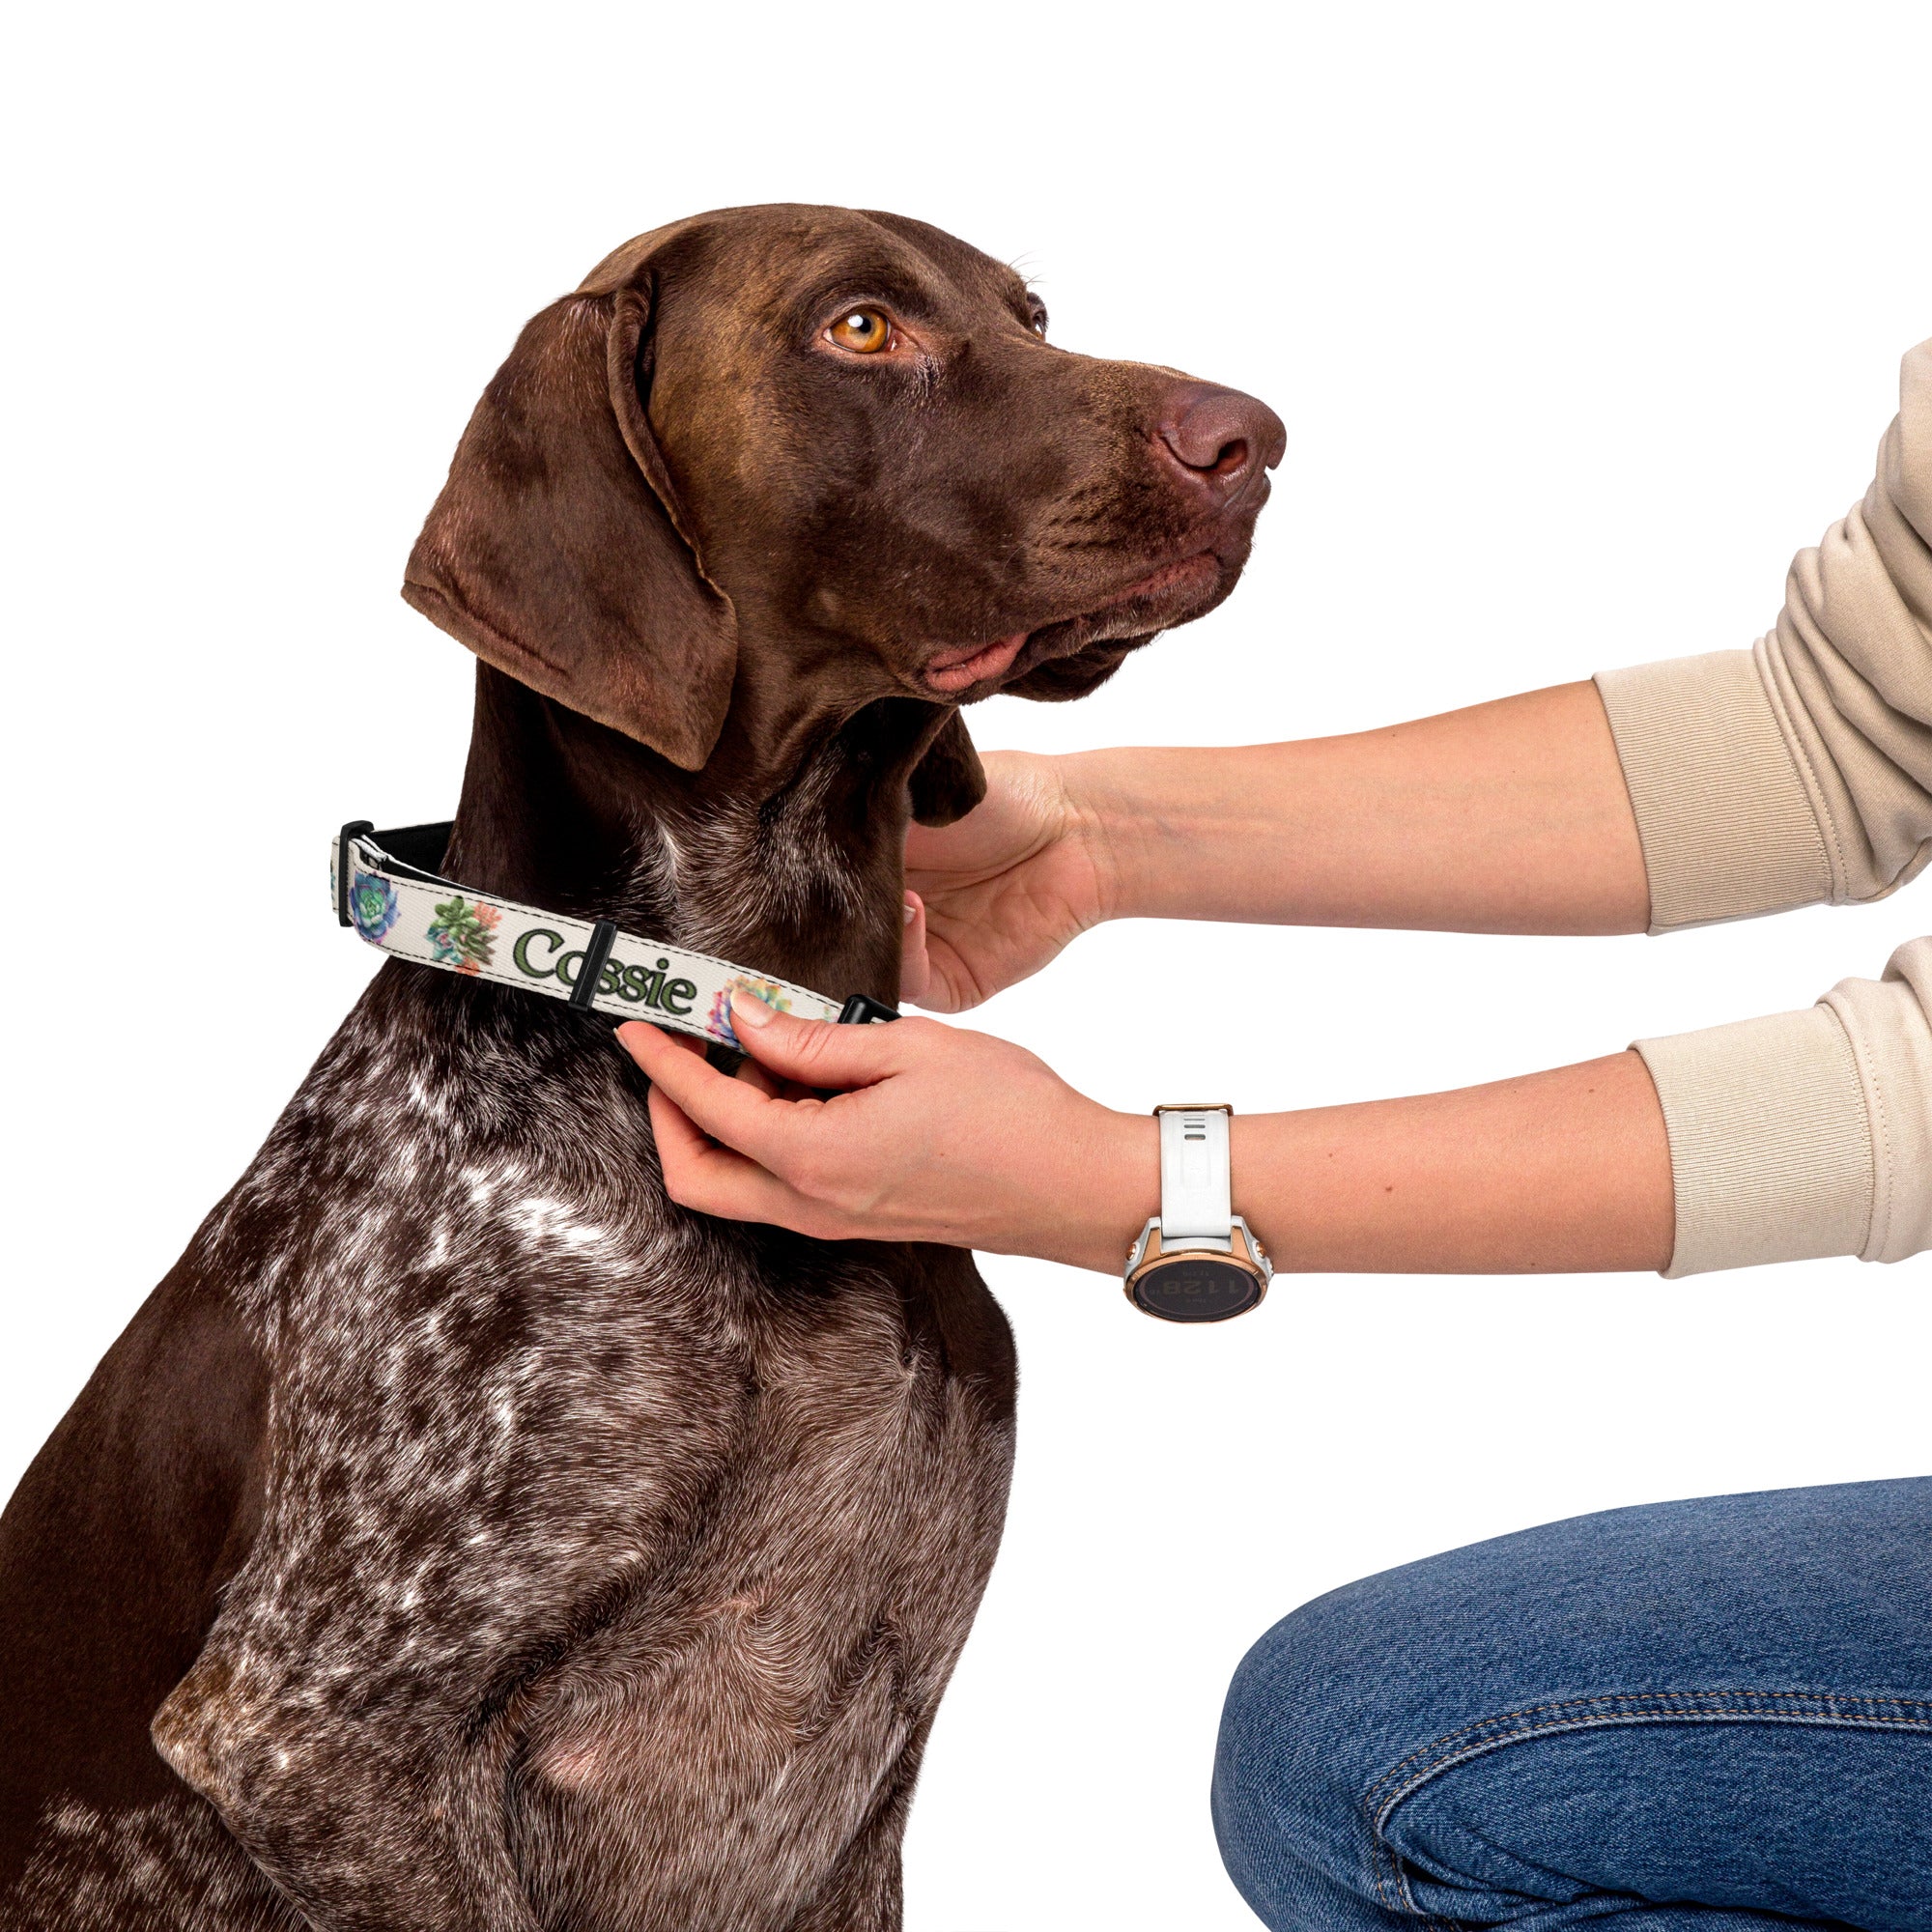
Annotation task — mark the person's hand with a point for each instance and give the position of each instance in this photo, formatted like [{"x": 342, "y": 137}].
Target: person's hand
[
  {"x": 992, "y": 898},
  {"x": 939, "y": 1135}
]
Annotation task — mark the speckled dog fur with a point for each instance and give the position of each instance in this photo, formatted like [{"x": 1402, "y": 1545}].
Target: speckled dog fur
[{"x": 463, "y": 1536}]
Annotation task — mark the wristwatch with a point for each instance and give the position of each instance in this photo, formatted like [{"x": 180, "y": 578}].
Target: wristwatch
[{"x": 1196, "y": 1261}]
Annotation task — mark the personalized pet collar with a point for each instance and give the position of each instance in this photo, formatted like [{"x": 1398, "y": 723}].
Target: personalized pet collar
[{"x": 386, "y": 885}]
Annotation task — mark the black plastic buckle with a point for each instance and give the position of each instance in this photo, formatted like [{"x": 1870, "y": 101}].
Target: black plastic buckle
[
  {"x": 861, "y": 1010},
  {"x": 355, "y": 829}
]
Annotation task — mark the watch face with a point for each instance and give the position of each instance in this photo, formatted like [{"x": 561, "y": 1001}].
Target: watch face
[{"x": 1196, "y": 1288}]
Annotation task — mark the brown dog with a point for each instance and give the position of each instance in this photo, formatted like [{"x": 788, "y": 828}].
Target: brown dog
[{"x": 463, "y": 1536}]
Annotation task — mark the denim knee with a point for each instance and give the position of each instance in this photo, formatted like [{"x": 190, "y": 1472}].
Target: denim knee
[
  {"x": 1307, "y": 1716},
  {"x": 1799, "y": 1607}
]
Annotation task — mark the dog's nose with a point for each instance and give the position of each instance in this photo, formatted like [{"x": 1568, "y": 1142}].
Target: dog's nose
[{"x": 1221, "y": 437}]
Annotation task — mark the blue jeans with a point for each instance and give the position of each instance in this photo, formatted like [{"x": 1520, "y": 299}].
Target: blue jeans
[{"x": 1699, "y": 1717}]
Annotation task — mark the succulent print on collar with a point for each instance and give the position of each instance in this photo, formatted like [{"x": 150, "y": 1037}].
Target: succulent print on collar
[
  {"x": 463, "y": 933},
  {"x": 767, "y": 990},
  {"x": 372, "y": 905}
]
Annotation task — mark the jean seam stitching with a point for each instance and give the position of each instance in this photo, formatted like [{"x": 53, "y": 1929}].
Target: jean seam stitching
[
  {"x": 1404, "y": 1900},
  {"x": 1828, "y": 1710}
]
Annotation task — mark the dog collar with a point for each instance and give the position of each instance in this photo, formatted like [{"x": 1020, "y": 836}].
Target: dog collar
[{"x": 387, "y": 886}]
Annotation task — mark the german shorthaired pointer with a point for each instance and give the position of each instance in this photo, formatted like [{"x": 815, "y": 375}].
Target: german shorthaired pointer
[{"x": 462, "y": 1536}]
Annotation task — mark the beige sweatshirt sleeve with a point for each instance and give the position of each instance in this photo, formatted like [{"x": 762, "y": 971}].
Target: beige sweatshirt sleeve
[{"x": 1798, "y": 771}]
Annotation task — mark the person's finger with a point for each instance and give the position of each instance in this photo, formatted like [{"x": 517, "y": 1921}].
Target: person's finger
[
  {"x": 768, "y": 1083},
  {"x": 680, "y": 1139},
  {"x": 710, "y": 1178},
  {"x": 915, "y": 968},
  {"x": 815, "y": 1053},
  {"x": 732, "y": 1111},
  {"x": 746, "y": 1070},
  {"x": 950, "y": 987}
]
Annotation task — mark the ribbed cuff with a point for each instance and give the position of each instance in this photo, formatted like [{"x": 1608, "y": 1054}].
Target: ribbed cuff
[
  {"x": 1727, "y": 829},
  {"x": 1770, "y": 1147},
  {"x": 1888, "y": 1023}
]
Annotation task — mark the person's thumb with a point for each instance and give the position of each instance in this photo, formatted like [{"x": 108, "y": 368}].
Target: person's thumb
[
  {"x": 914, "y": 967},
  {"x": 814, "y": 1053}
]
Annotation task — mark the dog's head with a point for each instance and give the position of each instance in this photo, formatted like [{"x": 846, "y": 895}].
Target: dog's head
[{"x": 786, "y": 459}]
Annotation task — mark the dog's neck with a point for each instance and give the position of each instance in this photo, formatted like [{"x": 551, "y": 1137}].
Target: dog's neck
[{"x": 794, "y": 871}]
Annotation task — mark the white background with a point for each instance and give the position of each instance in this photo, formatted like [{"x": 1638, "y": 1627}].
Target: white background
[{"x": 1582, "y": 320}]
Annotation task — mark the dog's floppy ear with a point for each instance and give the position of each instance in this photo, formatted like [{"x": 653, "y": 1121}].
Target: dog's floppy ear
[
  {"x": 949, "y": 781},
  {"x": 557, "y": 550}
]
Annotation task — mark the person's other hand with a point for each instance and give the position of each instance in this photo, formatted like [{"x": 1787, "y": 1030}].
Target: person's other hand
[
  {"x": 993, "y": 897},
  {"x": 935, "y": 1134}
]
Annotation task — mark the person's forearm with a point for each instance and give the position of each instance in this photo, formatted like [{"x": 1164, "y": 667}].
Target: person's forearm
[
  {"x": 1563, "y": 1172},
  {"x": 922, "y": 1132},
  {"x": 1506, "y": 817}
]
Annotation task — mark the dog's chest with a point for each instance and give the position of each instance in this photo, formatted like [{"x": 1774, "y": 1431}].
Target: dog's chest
[
  {"x": 701, "y": 1515},
  {"x": 772, "y": 1695}
]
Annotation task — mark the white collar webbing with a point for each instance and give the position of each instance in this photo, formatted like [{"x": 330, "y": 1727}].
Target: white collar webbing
[{"x": 386, "y": 885}]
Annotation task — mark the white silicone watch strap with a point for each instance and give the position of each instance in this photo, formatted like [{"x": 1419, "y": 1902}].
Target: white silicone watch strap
[{"x": 1197, "y": 1208}]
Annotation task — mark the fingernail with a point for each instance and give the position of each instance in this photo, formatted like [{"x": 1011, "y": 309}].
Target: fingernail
[
  {"x": 910, "y": 908},
  {"x": 747, "y": 1010}
]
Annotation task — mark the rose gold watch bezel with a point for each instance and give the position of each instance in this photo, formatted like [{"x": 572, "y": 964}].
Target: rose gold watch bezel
[{"x": 1241, "y": 1255}]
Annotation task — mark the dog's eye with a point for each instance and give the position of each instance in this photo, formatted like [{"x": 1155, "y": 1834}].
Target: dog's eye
[
  {"x": 1037, "y": 310},
  {"x": 863, "y": 331}
]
